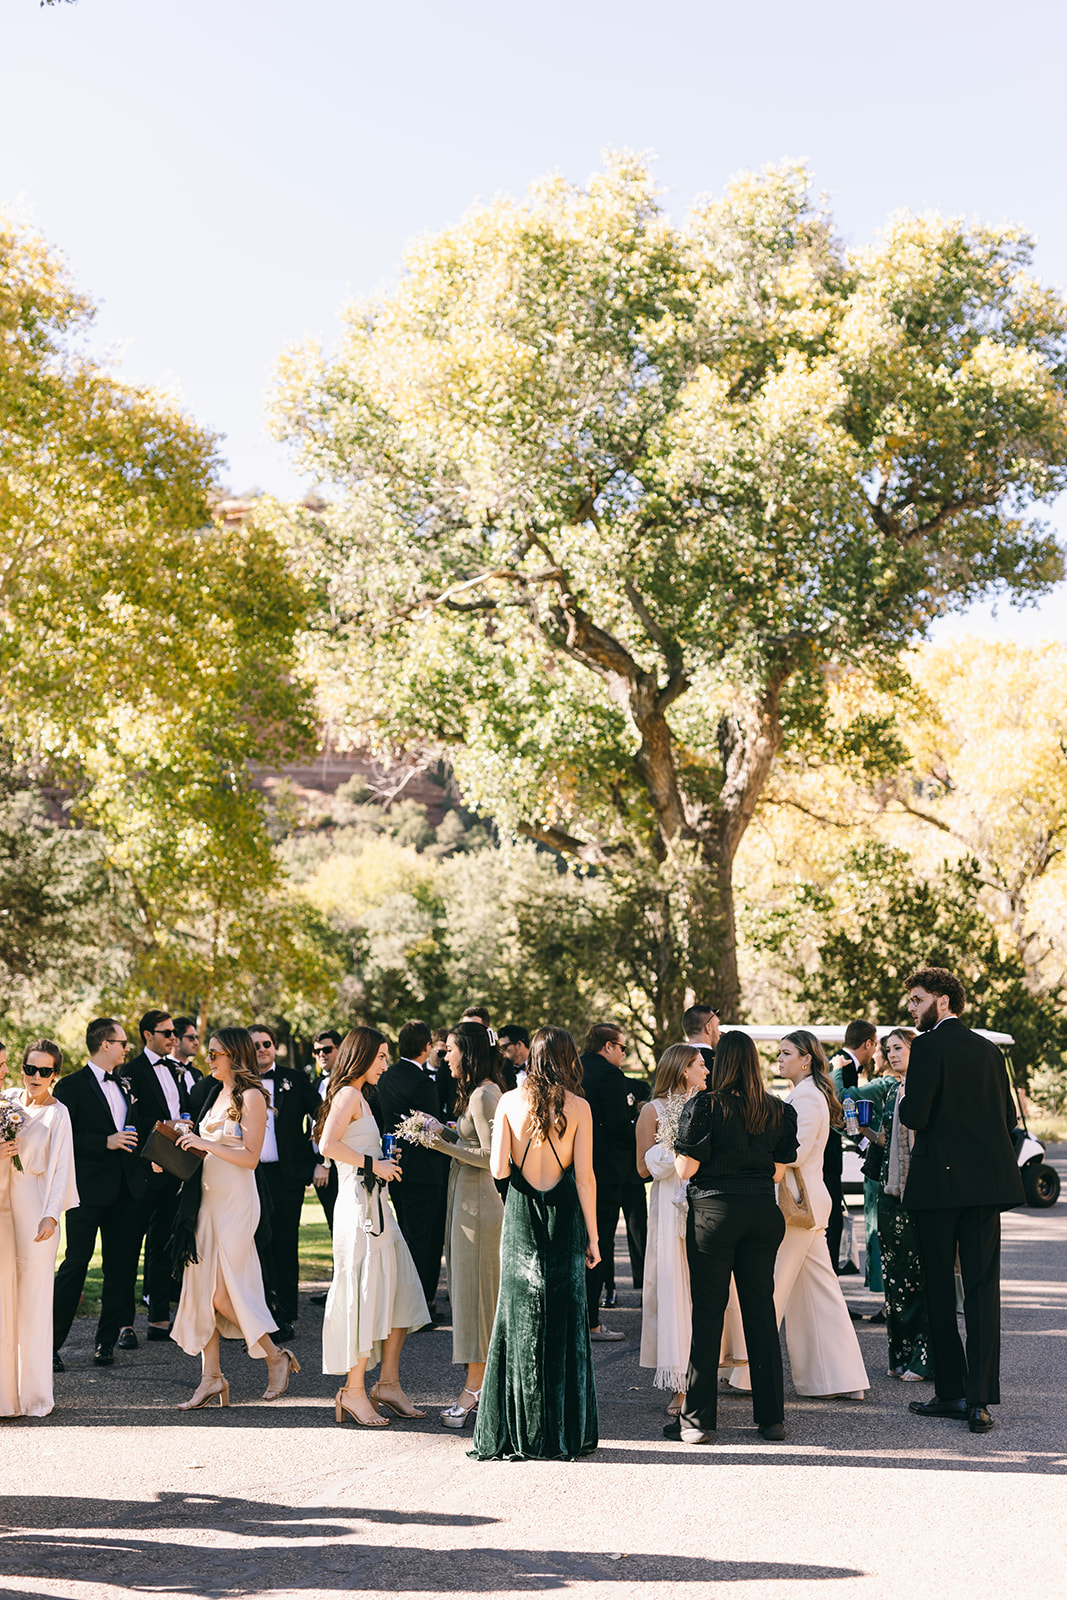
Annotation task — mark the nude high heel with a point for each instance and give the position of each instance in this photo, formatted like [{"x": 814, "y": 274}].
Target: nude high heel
[
  {"x": 219, "y": 1387},
  {"x": 341, "y": 1411},
  {"x": 292, "y": 1367}
]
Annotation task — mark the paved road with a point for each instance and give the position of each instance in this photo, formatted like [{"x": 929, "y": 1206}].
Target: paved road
[{"x": 117, "y": 1493}]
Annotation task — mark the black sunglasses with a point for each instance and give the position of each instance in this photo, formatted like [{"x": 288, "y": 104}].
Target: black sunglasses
[
  {"x": 324, "y": 1050},
  {"x": 39, "y": 1072}
]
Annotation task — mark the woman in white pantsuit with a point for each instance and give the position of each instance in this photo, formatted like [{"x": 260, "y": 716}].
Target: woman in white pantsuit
[{"x": 824, "y": 1353}]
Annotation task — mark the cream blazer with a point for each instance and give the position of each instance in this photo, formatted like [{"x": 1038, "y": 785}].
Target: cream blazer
[{"x": 813, "y": 1129}]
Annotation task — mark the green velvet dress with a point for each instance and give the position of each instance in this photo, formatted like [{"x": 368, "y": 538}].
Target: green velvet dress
[{"x": 538, "y": 1397}]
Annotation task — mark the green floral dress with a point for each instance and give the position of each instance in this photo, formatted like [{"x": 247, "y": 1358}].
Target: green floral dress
[{"x": 907, "y": 1328}]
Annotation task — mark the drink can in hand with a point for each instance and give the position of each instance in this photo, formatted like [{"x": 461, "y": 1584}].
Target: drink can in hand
[{"x": 390, "y": 1147}]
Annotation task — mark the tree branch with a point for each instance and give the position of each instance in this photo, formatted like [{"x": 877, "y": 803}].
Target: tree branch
[{"x": 557, "y": 839}]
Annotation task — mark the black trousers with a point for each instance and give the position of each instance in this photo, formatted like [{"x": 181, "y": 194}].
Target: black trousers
[
  {"x": 832, "y": 1161},
  {"x": 283, "y": 1253},
  {"x": 326, "y": 1194},
  {"x": 119, "y": 1227},
  {"x": 608, "y": 1206},
  {"x": 635, "y": 1216},
  {"x": 738, "y": 1234},
  {"x": 975, "y": 1232},
  {"x": 420, "y": 1210},
  {"x": 157, "y": 1212}
]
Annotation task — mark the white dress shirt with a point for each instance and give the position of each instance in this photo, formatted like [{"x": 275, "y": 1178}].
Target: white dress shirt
[
  {"x": 114, "y": 1097},
  {"x": 270, "y": 1138},
  {"x": 167, "y": 1084}
]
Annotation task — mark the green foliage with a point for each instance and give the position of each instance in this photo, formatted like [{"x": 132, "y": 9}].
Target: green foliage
[
  {"x": 617, "y": 500},
  {"x": 849, "y": 944}
]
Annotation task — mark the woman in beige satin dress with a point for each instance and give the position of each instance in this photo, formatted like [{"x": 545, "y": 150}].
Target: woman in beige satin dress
[
  {"x": 222, "y": 1290},
  {"x": 40, "y": 1194},
  {"x": 475, "y": 1210}
]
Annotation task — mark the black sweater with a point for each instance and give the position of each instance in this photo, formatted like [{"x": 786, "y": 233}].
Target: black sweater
[{"x": 732, "y": 1160}]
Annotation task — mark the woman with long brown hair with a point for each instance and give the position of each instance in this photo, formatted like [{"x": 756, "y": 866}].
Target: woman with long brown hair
[
  {"x": 538, "y": 1397},
  {"x": 376, "y": 1298},
  {"x": 475, "y": 1210},
  {"x": 218, "y": 1214},
  {"x": 824, "y": 1353},
  {"x": 734, "y": 1140}
]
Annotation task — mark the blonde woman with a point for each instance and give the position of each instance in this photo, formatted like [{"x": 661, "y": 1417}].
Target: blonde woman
[{"x": 824, "y": 1353}]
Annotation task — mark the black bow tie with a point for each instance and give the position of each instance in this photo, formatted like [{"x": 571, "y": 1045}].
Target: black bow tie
[
  {"x": 269, "y": 1074},
  {"x": 111, "y": 1077}
]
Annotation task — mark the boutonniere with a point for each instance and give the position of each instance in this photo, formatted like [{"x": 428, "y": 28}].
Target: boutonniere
[
  {"x": 629, "y": 1099},
  {"x": 124, "y": 1085},
  {"x": 282, "y": 1085}
]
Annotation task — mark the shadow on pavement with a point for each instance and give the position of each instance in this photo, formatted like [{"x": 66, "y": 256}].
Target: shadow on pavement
[{"x": 81, "y": 1543}]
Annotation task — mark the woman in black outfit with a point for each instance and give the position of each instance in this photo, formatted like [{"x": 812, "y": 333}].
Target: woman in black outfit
[{"x": 734, "y": 1143}]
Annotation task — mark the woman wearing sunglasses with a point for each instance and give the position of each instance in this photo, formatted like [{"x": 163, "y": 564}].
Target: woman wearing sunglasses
[
  {"x": 218, "y": 1215},
  {"x": 40, "y": 1193}
]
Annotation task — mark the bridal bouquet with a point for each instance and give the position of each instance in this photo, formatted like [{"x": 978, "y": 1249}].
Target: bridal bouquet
[
  {"x": 417, "y": 1128},
  {"x": 11, "y": 1120}
]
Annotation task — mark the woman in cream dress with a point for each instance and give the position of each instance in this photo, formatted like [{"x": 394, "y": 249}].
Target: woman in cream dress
[
  {"x": 376, "y": 1298},
  {"x": 222, "y": 1286},
  {"x": 9, "y": 1351},
  {"x": 824, "y": 1353},
  {"x": 40, "y": 1194},
  {"x": 475, "y": 1210},
  {"x": 666, "y": 1305}
]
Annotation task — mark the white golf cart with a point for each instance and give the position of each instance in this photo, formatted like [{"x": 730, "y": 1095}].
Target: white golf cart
[{"x": 1041, "y": 1183}]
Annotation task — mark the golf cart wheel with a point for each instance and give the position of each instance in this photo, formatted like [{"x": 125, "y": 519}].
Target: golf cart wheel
[{"x": 1042, "y": 1184}]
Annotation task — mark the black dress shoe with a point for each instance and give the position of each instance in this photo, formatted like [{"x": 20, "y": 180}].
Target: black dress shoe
[
  {"x": 57, "y": 1362},
  {"x": 939, "y": 1408},
  {"x": 154, "y": 1334},
  {"x": 128, "y": 1340},
  {"x": 774, "y": 1432},
  {"x": 284, "y": 1330},
  {"x": 978, "y": 1419},
  {"x": 104, "y": 1355},
  {"x": 879, "y": 1315},
  {"x": 672, "y": 1430},
  {"x": 857, "y": 1316}
]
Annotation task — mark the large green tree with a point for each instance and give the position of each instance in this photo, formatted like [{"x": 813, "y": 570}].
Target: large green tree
[
  {"x": 146, "y": 651},
  {"x": 616, "y": 499}
]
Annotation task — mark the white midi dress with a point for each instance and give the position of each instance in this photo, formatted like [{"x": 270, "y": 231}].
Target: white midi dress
[
  {"x": 44, "y": 1188},
  {"x": 375, "y": 1285}
]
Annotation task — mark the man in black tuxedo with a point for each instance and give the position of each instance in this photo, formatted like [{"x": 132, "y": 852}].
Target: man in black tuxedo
[
  {"x": 111, "y": 1188},
  {"x": 324, "y": 1051},
  {"x": 614, "y": 1108},
  {"x": 420, "y": 1199},
  {"x": 187, "y": 1048},
  {"x": 702, "y": 1030},
  {"x": 161, "y": 1087},
  {"x": 963, "y": 1174},
  {"x": 286, "y": 1165}
]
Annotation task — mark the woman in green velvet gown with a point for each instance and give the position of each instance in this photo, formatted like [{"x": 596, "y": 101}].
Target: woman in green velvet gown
[{"x": 538, "y": 1397}]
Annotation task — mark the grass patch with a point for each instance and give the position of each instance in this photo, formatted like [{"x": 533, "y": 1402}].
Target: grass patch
[{"x": 316, "y": 1257}]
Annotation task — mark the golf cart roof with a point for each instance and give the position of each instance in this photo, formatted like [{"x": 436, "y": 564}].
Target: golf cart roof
[{"x": 835, "y": 1033}]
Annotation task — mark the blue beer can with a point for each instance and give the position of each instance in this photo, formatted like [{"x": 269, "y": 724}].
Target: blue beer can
[{"x": 390, "y": 1146}]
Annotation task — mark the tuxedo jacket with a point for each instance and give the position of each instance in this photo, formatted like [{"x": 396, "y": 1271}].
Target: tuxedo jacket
[
  {"x": 958, "y": 1101},
  {"x": 99, "y": 1172},
  {"x": 707, "y": 1052},
  {"x": 296, "y": 1105},
  {"x": 403, "y": 1088},
  {"x": 615, "y": 1111},
  {"x": 151, "y": 1107}
]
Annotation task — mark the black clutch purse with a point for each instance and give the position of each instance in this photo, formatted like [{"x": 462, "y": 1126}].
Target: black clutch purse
[{"x": 163, "y": 1148}]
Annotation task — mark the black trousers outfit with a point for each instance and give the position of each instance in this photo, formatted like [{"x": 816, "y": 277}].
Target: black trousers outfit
[
  {"x": 975, "y": 1232},
  {"x": 283, "y": 1252},
  {"x": 157, "y": 1212},
  {"x": 608, "y": 1207},
  {"x": 635, "y": 1216},
  {"x": 738, "y": 1234},
  {"x": 832, "y": 1167},
  {"x": 420, "y": 1210},
  {"x": 119, "y": 1226},
  {"x": 326, "y": 1195}
]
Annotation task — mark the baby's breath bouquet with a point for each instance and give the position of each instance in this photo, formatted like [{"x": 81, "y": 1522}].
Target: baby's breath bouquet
[
  {"x": 11, "y": 1120},
  {"x": 416, "y": 1128}
]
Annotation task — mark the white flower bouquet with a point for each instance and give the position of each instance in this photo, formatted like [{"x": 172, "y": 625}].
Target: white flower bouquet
[
  {"x": 418, "y": 1127},
  {"x": 11, "y": 1120}
]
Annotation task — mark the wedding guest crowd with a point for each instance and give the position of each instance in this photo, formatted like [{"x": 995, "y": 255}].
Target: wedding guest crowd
[{"x": 511, "y": 1159}]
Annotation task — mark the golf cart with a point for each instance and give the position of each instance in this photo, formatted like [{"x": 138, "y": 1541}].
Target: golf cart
[{"x": 1041, "y": 1183}]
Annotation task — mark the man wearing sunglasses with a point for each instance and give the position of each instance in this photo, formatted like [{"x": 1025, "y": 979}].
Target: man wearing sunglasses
[
  {"x": 162, "y": 1088},
  {"x": 111, "y": 1188}
]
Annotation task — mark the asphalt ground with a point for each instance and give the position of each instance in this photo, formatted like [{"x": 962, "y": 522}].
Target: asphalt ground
[{"x": 117, "y": 1494}]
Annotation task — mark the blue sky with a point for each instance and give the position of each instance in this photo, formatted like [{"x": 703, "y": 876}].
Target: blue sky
[{"x": 223, "y": 176}]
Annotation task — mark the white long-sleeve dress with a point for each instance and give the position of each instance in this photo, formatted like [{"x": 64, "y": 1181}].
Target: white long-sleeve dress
[
  {"x": 824, "y": 1353},
  {"x": 666, "y": 1302},
  {"x": 44, "y": 1188}
]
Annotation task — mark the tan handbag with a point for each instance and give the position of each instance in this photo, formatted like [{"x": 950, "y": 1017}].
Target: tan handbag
[{"x": 796, "y": 1208}]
